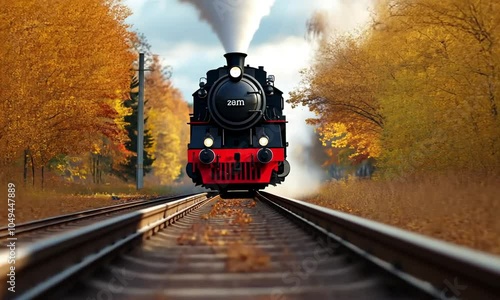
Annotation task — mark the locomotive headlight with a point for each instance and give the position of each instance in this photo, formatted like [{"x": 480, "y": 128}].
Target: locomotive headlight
[
  {"x": 263, "y": 141},
  {"x": 235, "y": 72},
  {"x": 208, "y": 141}
]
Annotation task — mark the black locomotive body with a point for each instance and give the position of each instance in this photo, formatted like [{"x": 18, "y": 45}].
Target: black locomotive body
[{"x": 238, "y": 130}]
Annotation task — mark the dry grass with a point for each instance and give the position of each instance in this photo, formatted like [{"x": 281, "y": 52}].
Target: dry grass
[
  {"x": 460, "y": 209},
  {"x": 33, "y": 204}
]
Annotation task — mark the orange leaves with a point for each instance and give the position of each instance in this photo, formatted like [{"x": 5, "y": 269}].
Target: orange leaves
[
  {"x": 235, "y": 221},
  {"x": 232, "y": 235},
  {"x": 251, "y": 204},
  {"x": 230, "y": 209},
  {"x": 65, "y": 62},
  {"x": 246, "y": 258},
  {"x": 241, "y": 218},
  {"x": 193, "y": 236},
  {"x": 224, "y": 208}
]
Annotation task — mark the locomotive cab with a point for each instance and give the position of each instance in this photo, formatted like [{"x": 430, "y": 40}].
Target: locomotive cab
[{"x": 238, "y": 130}]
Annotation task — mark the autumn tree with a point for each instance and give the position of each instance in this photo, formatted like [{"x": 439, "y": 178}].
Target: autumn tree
[
  {"x": 341, "y": 89},
  {"x": 168, "y": 115},
  {"x": 441, "y": 101},
  {"x": 68, "y": 67},
  {"x": 417, "y": 90}
]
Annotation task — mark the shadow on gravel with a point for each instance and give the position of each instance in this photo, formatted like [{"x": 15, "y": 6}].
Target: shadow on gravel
[{"x": 237, "y": 194}]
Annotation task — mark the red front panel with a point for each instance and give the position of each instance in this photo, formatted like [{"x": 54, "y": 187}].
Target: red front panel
[{"x": 225, "y": 170}]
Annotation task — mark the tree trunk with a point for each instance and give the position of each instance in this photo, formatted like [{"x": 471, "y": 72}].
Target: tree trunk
[
  {"x": 25, "y": 166},
  {"x": 100, "y": 170},
  {"x": 33, "y": 168},
  {"x": 94, "y": 169},
  {"x": 97, "y": 170},
  {"x": 43, "y": 178}
]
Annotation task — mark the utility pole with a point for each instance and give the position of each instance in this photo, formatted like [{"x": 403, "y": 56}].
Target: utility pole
[{"x": 140, "y": 126}]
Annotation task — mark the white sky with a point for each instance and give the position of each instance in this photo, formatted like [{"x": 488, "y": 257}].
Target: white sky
[{"x": 190, "y": 47}]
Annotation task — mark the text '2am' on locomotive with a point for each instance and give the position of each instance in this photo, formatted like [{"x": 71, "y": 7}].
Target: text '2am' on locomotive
[{"x": 238, "y": 130}]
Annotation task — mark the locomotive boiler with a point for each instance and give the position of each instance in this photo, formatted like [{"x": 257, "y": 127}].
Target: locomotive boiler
[{"x": 238, "y": 130}]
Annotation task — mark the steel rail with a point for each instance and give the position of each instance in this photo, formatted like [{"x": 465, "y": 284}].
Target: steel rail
[
  {"x": 50, "y": 263},
  {"x": 443, "y": 269},
  {"x": 240, "y": 249},
  {"x": 82, "y": 215}
]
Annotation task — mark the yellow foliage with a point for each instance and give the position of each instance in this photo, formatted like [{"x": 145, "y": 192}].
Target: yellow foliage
[
  {"x": 340, "y": 88},
  {"x": 418, "y": 90},
  {"x": 64, "y": 64},
  {"x": 168, "y": 115},
  {"x": 440, "y": 106}
]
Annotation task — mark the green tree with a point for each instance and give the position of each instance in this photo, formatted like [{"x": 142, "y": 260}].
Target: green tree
[{"x": 128, "y": 169}]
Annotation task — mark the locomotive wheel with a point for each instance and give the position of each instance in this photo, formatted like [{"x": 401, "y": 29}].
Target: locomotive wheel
[{"x": 284, "y": 169}]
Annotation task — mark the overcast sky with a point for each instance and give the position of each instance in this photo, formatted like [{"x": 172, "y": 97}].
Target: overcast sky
[{"x": 191, "y": 48}]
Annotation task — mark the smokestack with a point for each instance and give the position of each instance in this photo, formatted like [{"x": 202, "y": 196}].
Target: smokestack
[{"x": 235, "y": 59}]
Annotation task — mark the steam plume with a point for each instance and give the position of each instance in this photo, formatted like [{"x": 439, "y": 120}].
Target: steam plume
[
  {"x": 318, "y": 25},
  {"x": 234, "y": 21}
]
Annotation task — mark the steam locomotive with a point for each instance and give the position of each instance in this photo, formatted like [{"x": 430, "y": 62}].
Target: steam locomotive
[{"x": 238, "y": 130}]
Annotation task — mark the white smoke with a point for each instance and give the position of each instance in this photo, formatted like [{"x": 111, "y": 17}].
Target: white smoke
[
  {"x": 234, "y": 21},
  {"x": 328, "y": 17},
  {"x": 305, "y": 175}
]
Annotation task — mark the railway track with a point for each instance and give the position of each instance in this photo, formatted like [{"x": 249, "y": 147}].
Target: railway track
[
  {"x": 38, "y": 229},
  {"x": 265, "y": 247}
]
